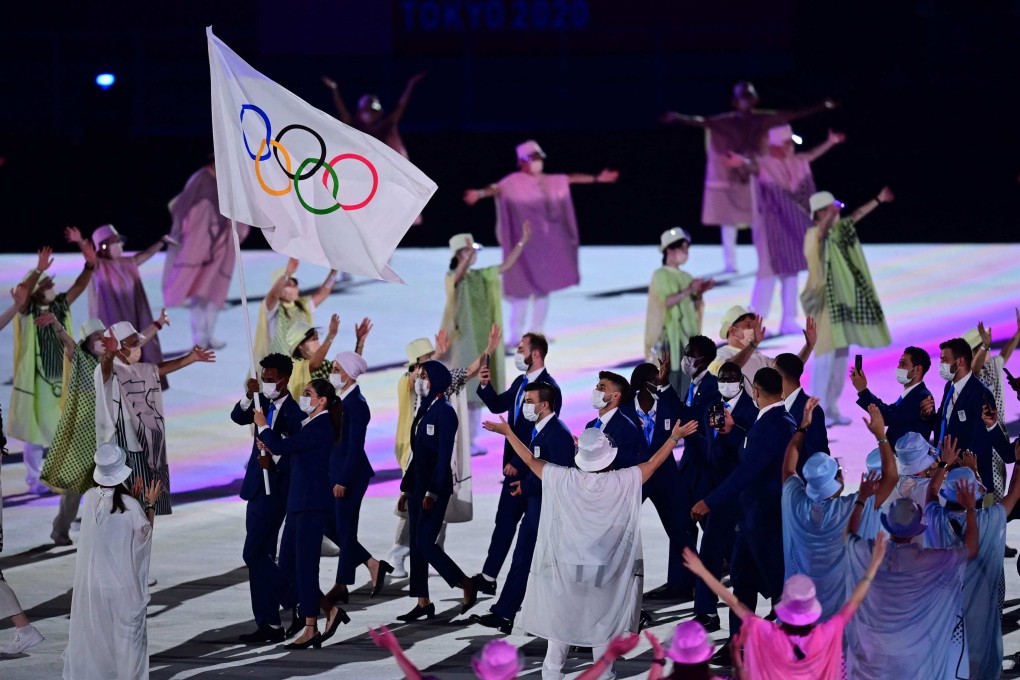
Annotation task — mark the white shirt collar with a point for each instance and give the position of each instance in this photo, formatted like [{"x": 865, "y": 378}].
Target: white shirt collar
[
  {"x": 533, "y": 375},
  {"x": 699, "y": 377},
  {"x": 605, "y": 419},
  {"x": 348, "y": 389},
  {"x": 311, "y": 418},
  {"x": 541, "y": 423},
  {"x": 792, "y": 397},
  {"x": 907, "y": 390},
  {"x": 733, "y": 402},
  {"x": 768, "y": 408},
  {"x": 958, "y": 385}
]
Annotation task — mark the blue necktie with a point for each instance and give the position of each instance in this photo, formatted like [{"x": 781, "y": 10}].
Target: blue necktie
[
  {"x": 598, "y": 423},
  {"x": 270, "y": 412},
  {"x": 690, "y": 394},
  {"x": 899, "y": 400},
  {"x": 946, "y": 412},
  {"x": 519, "y": 401},
  {"x": 534, "y": 433},
  {"x": 647, "y": 425}
]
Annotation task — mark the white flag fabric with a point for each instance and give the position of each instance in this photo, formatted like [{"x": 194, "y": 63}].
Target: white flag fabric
[{"x": 321, "y": 191}]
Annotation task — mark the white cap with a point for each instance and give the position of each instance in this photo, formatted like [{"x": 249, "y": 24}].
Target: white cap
[
  {"x": 671, "y": 236},
  {"x": 729, "y": 318},
  {"x": 92, "y": 326},
  {"x": 103, "y": 233},
  {"x": 419, "y": 348},
  {"x": 822, "y": 199},
  {"x": 111, "y": 465},
  {"x": 594, "y": 451},
  {"x": 780, "y": 135},
  {"x": 458, "y": 241},
  {"x": 122, "y": 330},
  {"x": 529, "y": 148}
]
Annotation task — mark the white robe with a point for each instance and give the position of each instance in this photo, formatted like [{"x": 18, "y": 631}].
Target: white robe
[
  {"x": 587, "y": 572},
  {"x": 107, "y": 637}
]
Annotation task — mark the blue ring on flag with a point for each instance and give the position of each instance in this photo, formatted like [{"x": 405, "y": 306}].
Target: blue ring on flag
[{"x": 265, "y": 119}]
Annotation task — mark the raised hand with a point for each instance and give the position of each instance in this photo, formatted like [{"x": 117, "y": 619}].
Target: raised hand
[
  {"x": 471, "y": 196},
  {"x": 500, "y": 427},
  {"x": 886, "y": 195},
  {"x": 685, "y": 430},
  {"x": 201, "y": 354},
  {"x": 442, "y": 342},
  {"x": 47, "y": 319},
  {"x": 88, "y": 251},
  {"x": 45, "y": 258},
  {"x": 362, "y": 330},
  {"x": 811, "y": 332},
  {"x": 985, "y": 333},
  {"x": 869, "y": 485},
  {"x": 153, "y": 492},
  {"x": 495, "y": 335},
  {"x": 663, "y": 376},
  {"x": 878, "y": 552},
  {"x": 334, "y": 326},
  {"x": 809, "y": 412},
  {"x": 292, "y": 265},
  {"x": 251, "y": 386},
  {"x": 836, "y": 137},
  {"x": 966, "y": 494},
  {"x": 20, "y": 295},
  {"x": 969, "y": 459},
  {"x": 72, "y": 235},
  {"x": 876, "y": 424},
  {"x": 950, "y": 454},
  {"x": 607, "y": 176},
  {"x": 137, "y": 488},
  {"x": 622, "y": 644},
  {"x": 329, "y": 82},
  {"x": 110, "y": 343},
  {"x": 859, "y": 380},
  {"x": 758, "y": 328},
  {"x": 164, "y": 318}
]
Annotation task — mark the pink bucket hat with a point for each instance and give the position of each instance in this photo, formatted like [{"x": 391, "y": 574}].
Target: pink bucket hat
[
  {"x": 690, "y": 644},
  {"x": 799, "y": 605},
  {"x": 498, "y": 660}
]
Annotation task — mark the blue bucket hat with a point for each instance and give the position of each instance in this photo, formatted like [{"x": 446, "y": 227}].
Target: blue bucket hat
[{"x": 904, "y": 519}]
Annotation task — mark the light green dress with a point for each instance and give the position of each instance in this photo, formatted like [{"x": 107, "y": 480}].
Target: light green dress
[
  {"x": 675, "y": 325},
  {"x": 70, "y": 462},
  {"x": 472, "y": 306}
]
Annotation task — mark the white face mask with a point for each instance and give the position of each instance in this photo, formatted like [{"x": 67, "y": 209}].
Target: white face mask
[
  {"x": 97, "y": 348},
  {"x": 310, "y": 347},
  {"x": 420, "y": 388},
  {"x": 529, "y": 412},
  {"x": 747, "y": 335},
  {"x": 134, "y": 355},
  {"x": 945, "y": 371},
  {"x": 536, "y": 166},
  {"x": 755, "y": 402},
  {"x": 270, "y": 391},
  {"x": 520, "y": 363},
  {"x": 687, "y": 365},
  {"x": 305, "y": 402},
  {"x": 49, "y": 295},
  {"x": 729, "y": 389},
  {"x": 598, "y": 399},
  {"x": 336, "y": 381},
  {"x": 902, "y": 376}
]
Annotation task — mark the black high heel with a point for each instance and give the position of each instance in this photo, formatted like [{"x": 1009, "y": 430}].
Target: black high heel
[
  {"x": 315, "y": 642},
  {"x": 384, "y": 569},
  {"x": 341, "y": 617},
  {"x": 296, "y": 624},
  {"x": 428, "y": 611}
]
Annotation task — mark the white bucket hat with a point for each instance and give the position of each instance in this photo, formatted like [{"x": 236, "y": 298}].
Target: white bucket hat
[
  {"x": 122, "y": 330},
  {"x": 107, "y": 231},
  {"x": 92, "y": 326},
  {"x": 671, "y": 236},
  {"x": 111, "y": 465},
  {"x": 823, "y": 199},
  {"x": 594, "y": 451},
  {"x": 528, "y": 149},
  {"x": 458, "y": 241}
]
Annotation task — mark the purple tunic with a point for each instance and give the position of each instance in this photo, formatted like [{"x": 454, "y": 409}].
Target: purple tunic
[
  {"x": 549, "y": 261},
  {"x": 202, "y": 266},
  {"x": 781, "y": 216}
]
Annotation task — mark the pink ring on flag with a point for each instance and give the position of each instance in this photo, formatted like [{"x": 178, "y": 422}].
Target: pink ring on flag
[{"x": 371, "y": 168}]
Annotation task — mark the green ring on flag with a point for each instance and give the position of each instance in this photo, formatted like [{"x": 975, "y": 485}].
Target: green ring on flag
[{"x": 336, "y": 187}]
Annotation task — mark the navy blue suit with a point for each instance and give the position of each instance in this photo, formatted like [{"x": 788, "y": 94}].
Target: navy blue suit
[
  {"x": 817, "y": 438},
  {"x": 308, "y": 502},
  {"x": 349, "y": 467},
  {"x": 965, "y": 424},
  {"x": 694, "y": 462},
  {"x": 264, "y": 514},
  {"x": 757, "y": 562},
  {"x": 430, "y": 472},
  {"x": 554, "y": 444},
  {"x": 721, "y": 523},
  {"x": 903, "y": 416},
  {"x": 627, "y": 437},
  {"x": 510, "y": 509},
  {"x": 666, "y": 488}
]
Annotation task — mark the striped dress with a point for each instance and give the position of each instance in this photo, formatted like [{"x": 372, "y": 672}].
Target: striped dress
[{"x": 780, "y": 215}]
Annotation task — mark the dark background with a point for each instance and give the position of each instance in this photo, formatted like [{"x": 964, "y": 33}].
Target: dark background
[{"x": 928, "y": 92}]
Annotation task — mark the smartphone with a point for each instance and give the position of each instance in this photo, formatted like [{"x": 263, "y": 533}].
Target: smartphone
[
  {"x": 717, "y": 416},
  {"x": 858, "y": 361},
  {"x": 485, "y": 361}
]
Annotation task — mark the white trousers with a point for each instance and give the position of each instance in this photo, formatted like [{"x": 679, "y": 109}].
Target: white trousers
[
  {"x": 203, "y": 322},
  {"x": 729, "y": 247},
  {"x": 518, "y": 312},
  {"x": 556, "y": 656},
  {"x": 474, "y": 423},
  {"x": 761, "y": 300},
  {"x": 33, "y": 455},
  {"x": 827, "y": 379}
]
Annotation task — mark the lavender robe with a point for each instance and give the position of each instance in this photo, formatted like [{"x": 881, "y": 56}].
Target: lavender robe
[
  {"x": 202, "y": 266},
  {"x": 549, "y": 261},
  {"x": 781, "y": 217}
]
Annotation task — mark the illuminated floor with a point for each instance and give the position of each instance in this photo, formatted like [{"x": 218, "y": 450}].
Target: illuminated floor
[{"x": 201, "y": 601}]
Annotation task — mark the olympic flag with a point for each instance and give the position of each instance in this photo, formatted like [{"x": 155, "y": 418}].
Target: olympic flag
[{"x": 321, "y": 191}]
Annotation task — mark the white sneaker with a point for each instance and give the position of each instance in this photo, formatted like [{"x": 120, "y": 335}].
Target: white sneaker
[
  {"x": 329, "y": 548},
  {"x": 23, "y": 639},
  {"x": 399, "y": 571}
]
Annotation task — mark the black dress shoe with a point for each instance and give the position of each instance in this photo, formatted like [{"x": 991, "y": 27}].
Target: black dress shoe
[
  {"x": 428, "y": 611},
  {"x": 722, "y": 657},
  {"x": 709, "y": 622},
  {"x": 470, "y": 594},
  {"x": 493, "y": 620},
  {"x": 645, "y": 620},
  {"x": 670, "y": 593},
  {"x": 384, "y": 569},
  {"x": 264, "y": 634},
  {"x": 315, "y": 642},
  {"x": 1010, "y": 552},
  {"x": 296, "y": 624},
  {"x": 484, "y": 585},
  {"x": 341, "y": 617}
]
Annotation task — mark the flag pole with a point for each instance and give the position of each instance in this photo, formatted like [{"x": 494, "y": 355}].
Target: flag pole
[{"x": 247, "y": 328}]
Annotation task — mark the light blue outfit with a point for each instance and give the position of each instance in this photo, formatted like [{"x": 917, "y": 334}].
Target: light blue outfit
[
  {"x": 813, "y": 542},
  {"x": 984, "y": 586},
  {"x": 871, "y": 522},
  {"x": 910, "y": 625}
]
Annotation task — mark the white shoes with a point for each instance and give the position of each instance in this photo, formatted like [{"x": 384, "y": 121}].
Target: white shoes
[
  {"x": 329, "y": 548},
  {"x": 23, "y": 639},
  {"x": 399, "y": 571}
]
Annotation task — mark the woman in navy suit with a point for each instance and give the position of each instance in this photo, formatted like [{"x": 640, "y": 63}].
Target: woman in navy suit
[
  {"x": 309, "y": 499},
  {"x": 426, "y": 489}
]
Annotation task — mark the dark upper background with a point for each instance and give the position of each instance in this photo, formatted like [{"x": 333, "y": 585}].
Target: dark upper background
[{"x": 928, "y": 92}]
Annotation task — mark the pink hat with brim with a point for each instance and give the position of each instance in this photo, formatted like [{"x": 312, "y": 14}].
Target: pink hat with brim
[
  {"x": 799, "y": 605},
  {"x": 498, "y": 660},
  {"x": 690, "y": 644}
]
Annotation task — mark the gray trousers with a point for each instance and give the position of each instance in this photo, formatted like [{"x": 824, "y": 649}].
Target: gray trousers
[{"x": 66, "y": 512}]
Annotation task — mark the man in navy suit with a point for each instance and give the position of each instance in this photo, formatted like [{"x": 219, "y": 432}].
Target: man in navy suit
[
  {"x": 757, "y": 562},
  {"x": 904, "y": 415},
  {"x": 967, "y": 411},
  {"x": 550, "y": 441},
  {"x": 264, "y": 514},
  {"x": 530, "y": 360},
  {"x": 611, "y": 391},
  {"x": 724, "y": 444},
  {"x": 816, "y": 439},
  {"x": 656, "y": 408}
]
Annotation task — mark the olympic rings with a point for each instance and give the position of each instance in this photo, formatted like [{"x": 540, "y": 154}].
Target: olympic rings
[
  {"x": 322, "y": 147},
  {"x": 265, "y": 119},
  {"x": 274, "y": 147}
]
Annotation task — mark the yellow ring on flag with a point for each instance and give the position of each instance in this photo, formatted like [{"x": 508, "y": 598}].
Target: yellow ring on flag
[{"x": 258, "y": 173}]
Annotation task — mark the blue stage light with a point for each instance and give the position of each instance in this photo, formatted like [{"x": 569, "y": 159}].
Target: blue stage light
[{"x": 105, "y": 80}]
